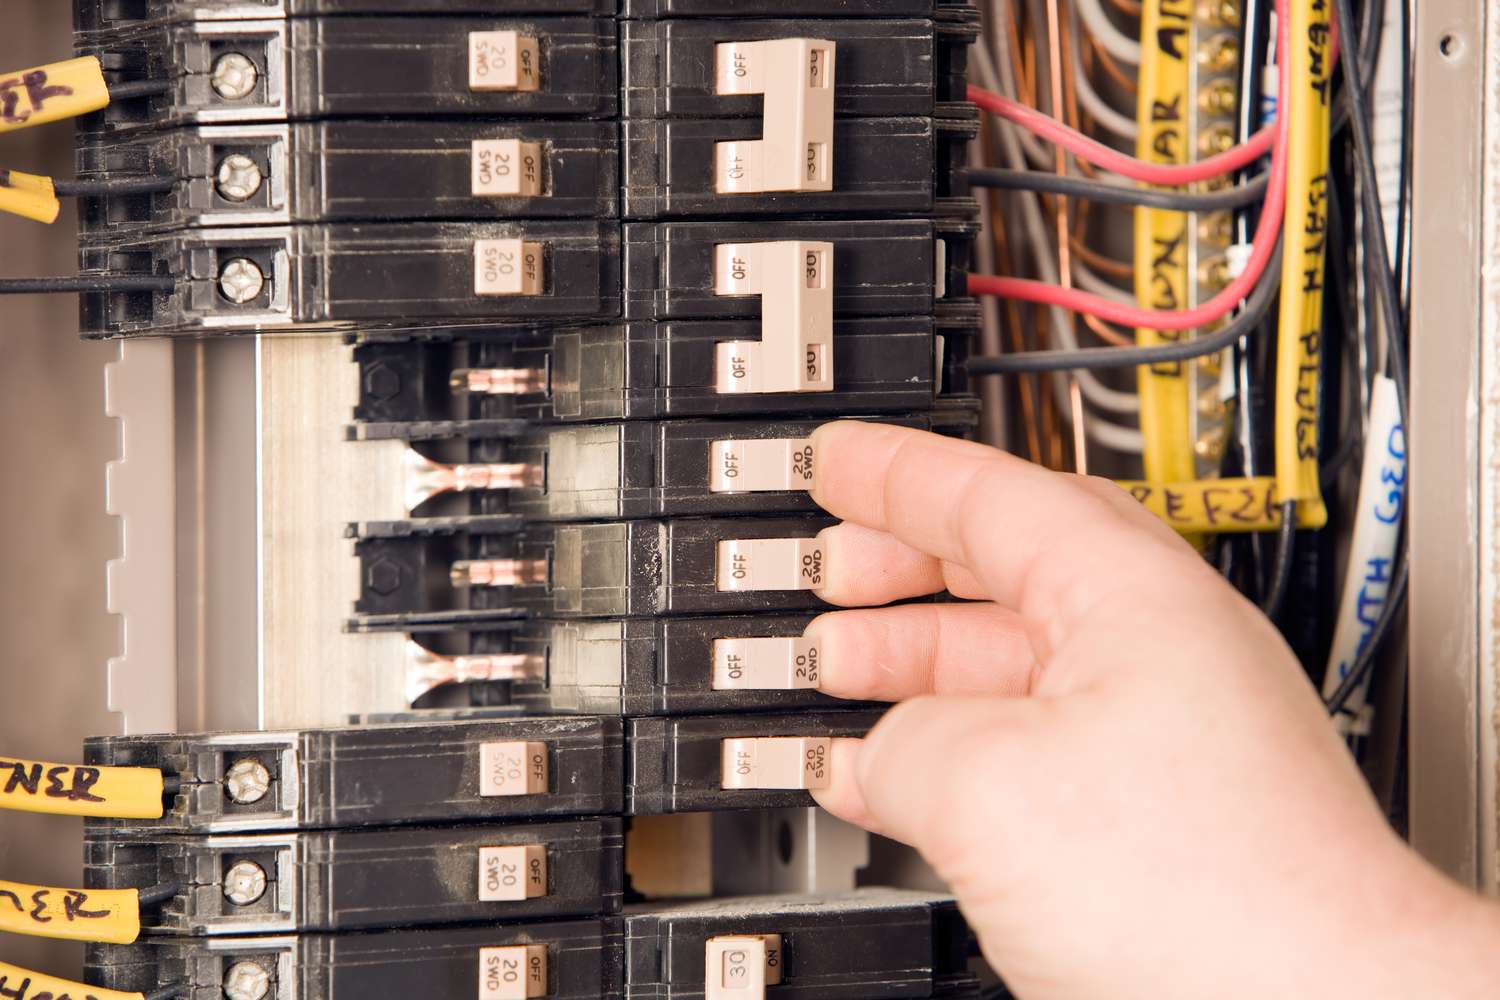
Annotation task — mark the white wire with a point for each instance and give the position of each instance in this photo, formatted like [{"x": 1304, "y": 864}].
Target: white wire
[
  {"x": 1104, "y": 115},
  {"x": 1115, "y": 436},
  {"x": 1110, "y": 38}
]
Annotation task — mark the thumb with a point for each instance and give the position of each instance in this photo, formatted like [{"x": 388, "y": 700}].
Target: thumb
[{"x": 923, "y": 774}]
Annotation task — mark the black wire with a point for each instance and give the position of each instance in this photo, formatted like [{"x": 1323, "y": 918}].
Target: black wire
[
  {"x": 168, "y": 992},
  {"x": 1254, "y": 312},
  {"x": 112, "y": 185},
  {"x": 156, "y": 895},
  {"x": 1365, "y": 662},
  {"x": 1372, "y": 234},
  {"x": 1281, "y": 571},
  {"x": 87, "y": 283},
  {"x": 1118, "y": 194},
  {"x": 138, "y": 88}
]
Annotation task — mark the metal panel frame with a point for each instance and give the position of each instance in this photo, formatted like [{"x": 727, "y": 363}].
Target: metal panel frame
[{"x": 1452, "y": 806}]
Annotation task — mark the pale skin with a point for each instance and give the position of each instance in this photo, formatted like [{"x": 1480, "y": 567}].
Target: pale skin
[{"x": 1111, "y": 756}]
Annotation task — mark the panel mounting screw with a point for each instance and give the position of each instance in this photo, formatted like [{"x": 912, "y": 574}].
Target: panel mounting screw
[
  {"x": 233, "y": 76},
  {"x": 246, "y": 981},
  {"x": 240, "y": 280},
  {"x": 247, "y": 781},
  {"x": 239, "y": 177},
  {"x": 244, "y": 883}
]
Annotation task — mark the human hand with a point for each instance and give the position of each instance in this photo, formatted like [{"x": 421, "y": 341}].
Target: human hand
[{"x": 1112, "y": 757}]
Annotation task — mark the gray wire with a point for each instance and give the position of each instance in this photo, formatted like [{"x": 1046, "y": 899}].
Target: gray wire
[
  {"x": 1119, "y": 194},
  {"x": 1109, "y": 36},
  {"x": 1102, "y": 111}
]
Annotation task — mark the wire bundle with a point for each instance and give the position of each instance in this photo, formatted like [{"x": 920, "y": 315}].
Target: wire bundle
[{"x": 1273, "y": 380}]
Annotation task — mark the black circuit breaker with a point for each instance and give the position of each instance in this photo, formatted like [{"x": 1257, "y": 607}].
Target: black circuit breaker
[{"x": 601, "y": 268}]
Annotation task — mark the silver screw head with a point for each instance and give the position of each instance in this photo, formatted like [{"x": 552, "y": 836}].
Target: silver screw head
[
  {"x": 244, "y": 883},
  {"x": 233, "y": 76},
  {"x": 247, "y": 781},
  {"x": 246, "y": 981},
  {"x": 239, "y": 177},
  {"x": 240, "y": 280}
]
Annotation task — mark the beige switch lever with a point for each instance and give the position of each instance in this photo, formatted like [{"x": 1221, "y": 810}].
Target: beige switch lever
[
  {"x": 795, "y": 283},
  {"x": 741, "y": 966},
  {"x": 760, "y": 465},
  {"x": 765, "y": 663},
  {"x": 775, "y": 762},
  {"x": 795, "y": 151}
]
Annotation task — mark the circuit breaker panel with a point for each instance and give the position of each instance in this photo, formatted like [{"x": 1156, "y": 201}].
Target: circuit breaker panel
[{"x": 594, "y": 272}]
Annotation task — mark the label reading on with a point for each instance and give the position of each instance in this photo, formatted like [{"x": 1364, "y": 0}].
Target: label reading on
[
  {"x": 503, "y": 60},
  {"x": 510, "y": 874},
  {"x": 506, "y": 168},
  {"x": 515, "y": 972},
  {"x": 507, "y": 267},
  {"x": 513, "y": 769}
]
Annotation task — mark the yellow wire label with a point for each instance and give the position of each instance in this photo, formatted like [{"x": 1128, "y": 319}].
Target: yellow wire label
[
  {"x": 28, "y": 196},
  {"x": 1300, "y": 329},
  {"x": 112, "y": 916},
  {"x": 76, "y": 790},
  {"x": 1220, "y": 506},
  {"x": 50, "y": 93},
  {"x": 19, "y": 984},
  {"x": 1161, "y": 237}
]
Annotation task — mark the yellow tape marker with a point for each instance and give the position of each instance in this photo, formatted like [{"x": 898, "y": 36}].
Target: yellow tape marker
[
  {"x": 1220, "y": 506},
  {"x": 1161, "y": 238},
  {"x": 17, "y": 982},
  {"x": 28, "y": 196},
  {"x": 111, "y": 916},
  {"x": 76, "y": 790},
  {"x": 1299, "y": 334},
  {"x": 51, "y": 93}
]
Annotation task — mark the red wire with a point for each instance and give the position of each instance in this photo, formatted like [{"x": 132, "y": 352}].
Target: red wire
[
  {"x": 1262, "y": 247},
  {"x": 1095, "y": 152}
]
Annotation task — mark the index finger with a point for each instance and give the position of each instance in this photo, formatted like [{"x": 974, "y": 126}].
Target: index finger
[{"x": 1040, "y": 542}]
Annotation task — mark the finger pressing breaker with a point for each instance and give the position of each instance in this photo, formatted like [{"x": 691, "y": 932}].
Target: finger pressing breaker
[
  {"x": 741, "y": 966},
  {"x": 515, "y": 972},
  {"x": 513, "y": 769},
  {"x": 775, "y": 762},
  {"x": 508, "y": 874}
]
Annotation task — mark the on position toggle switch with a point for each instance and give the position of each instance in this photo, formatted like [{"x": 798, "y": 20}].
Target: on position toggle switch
[
  {"x": 795, "y": 150},
  {"x": 770, "y": 564},
  {"x": 741, "y": 966},
  {"x": 765, "y": 663},
  {"x": 795, "y": 283},
  {"x": 760, "y": 465},
  {"x": 776, "y": 762},
  {"x": 503, "y": 60}
]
